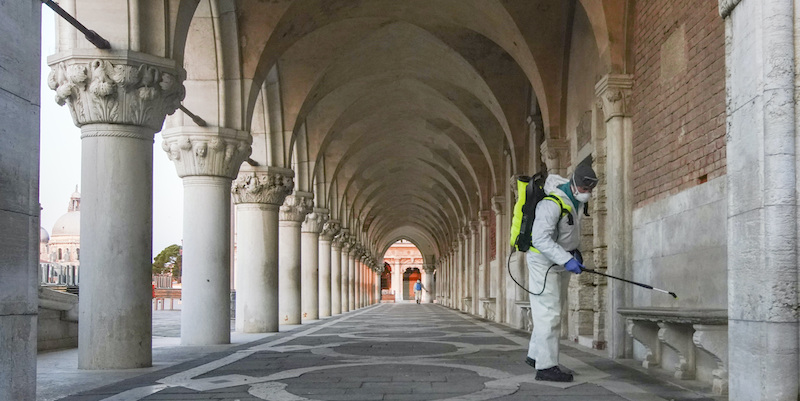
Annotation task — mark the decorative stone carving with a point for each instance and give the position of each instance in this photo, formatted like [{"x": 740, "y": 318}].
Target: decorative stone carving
[
  {"x": 726, "y": 7},
  {"x": 713, "y": 340},
  {"x": 296, "y": 206},
  {"x": 497, "y": 204},
  {"x": 330, "y": 229},
  {"x": 679, "y": 339},
  {"x": 208, "y": 151},
  {"x": 268, "y": 185},
  {"x": 429, "y": 268},
  {"x": 646, "y": 333},
  {"x": 614, "y": 90},
  {"x": 315, "y": 220},
  {"x": 130, "y": 89},
  {"x": 483, "y": 218},
  {"x": 342, "y": 240}
]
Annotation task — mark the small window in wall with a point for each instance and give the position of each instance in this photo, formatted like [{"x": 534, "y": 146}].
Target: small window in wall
[
  {"x": 59, "y": 254},
  {"x": 66, "y": 255},
  {"x": 78, "y": 254}
]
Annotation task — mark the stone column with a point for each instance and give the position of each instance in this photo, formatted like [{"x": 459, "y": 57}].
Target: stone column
[
  {"x": 485, "y": 278},
  {"x": 345, "y": 269},
  {"x": 336, "y": 273},
  {"x": 474, "y": 265},
  {"x": 119, "y": 100},
  {"x": 309, "y": 262},
  {"x": 258, "y": 192},
  {"x": 429, "y": 295},
  {"x": 357, "y": 281},
  {"x": 329, "y": 229},
  {"x": 19, "y": 199},
  {"x": 207, "y": 159},
  {"x": 762, "y": 169},
  {"x": 501, "y": 247},
  {"x": 351, "y": 277},
  {"x": 292, "y": 213},
  {"x": 614, "y": 91}
]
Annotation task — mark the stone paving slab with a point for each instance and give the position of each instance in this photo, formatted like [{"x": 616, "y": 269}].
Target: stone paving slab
[{"x": 390, "y": 352}]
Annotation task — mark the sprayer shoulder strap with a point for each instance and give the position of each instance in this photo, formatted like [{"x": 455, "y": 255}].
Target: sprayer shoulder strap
[{"x": 561, "y": 204}]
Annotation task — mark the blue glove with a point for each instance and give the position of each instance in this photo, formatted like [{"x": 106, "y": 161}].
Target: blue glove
[{"x": 574, "y": 266}]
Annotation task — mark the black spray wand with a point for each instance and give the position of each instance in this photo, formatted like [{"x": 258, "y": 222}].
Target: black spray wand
[{"x": 649, "y": 287}]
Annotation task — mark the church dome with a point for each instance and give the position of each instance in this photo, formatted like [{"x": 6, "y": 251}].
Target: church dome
[
  {"x": 68, "y": 224},
  {"x": 43, "y": 235}
]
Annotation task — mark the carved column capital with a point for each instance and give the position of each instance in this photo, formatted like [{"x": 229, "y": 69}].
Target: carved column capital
[
  {"x": 341, "y": 239},
  {"x": 614, "y": 90},
  {"x": 330, "y": 229},
  {"x": 483, "y": 218},
  {"x": 116, "y": 87},
  {"x": 726, "y": 7},
  {"x": 497, "y": 204},
  {"x": 213, "y": 151},
  {"x": 429, "y": 268},
  {"x": 268, "y": 185},
  {"x": 315, "y": 220},
  {"x": 296, "y": 206}
]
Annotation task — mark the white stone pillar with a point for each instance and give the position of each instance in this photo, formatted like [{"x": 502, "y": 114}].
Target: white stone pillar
[
  {"x": 762, "y": 168},
  {"x": 258, "y": 192},
  {"x": 347, "y": 244},
  {"x": 357, "y": 281},
  {"x": 19, "y": 200},
  {"x": 614, "y": 90},
  {"x": 501, "y": 248},
  {"x": 351, "y": 278},
  {"x": 485, "y": 278},
  {"x": 329, "y": 230},
  {"x": 291, "y": 215},
  {"x": 119, "y": 110},
  {"x": 428, "y": 296},
  {"x": 336, "y": 274},
  {"x": 474, "y": 265},
  {"x": 309, "y": 262},
  {"x": 207, "y": 159}
]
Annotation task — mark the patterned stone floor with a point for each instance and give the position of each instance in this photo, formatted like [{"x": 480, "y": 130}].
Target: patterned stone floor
[{"x": 389, "y": 352}]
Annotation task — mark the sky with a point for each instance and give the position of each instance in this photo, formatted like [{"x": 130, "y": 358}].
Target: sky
[{"x": 60, "y": 168}]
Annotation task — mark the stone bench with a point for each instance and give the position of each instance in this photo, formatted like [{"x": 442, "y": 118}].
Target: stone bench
[
  {"x": 683, "y": 331},
  {"x": 488, "y": 308},
  {"x": 526, "y": 320}
]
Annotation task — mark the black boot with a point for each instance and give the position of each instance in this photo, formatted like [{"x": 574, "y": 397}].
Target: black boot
[
  {"x": 553, "y": 374},
  {"x": 530, "y": 361}
]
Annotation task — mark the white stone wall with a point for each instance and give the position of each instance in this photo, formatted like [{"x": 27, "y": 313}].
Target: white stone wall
[
  {"x": 679, "y": 244},
  {"x": 20, "y": 24}
]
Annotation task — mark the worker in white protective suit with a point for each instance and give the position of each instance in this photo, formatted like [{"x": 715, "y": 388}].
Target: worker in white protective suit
[{"x": 555, "y": 238}]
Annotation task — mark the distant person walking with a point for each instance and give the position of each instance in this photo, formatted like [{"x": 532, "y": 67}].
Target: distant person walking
[{"x": 418, "y": 287}]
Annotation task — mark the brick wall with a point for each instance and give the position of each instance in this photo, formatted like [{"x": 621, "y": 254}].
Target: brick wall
[{"x": 678, "y": 99}]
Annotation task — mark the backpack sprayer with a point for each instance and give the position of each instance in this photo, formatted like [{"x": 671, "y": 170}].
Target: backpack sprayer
[{"x": 530, "y": 192}]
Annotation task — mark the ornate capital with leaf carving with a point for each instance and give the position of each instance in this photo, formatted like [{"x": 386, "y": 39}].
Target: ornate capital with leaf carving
[
  {"x": 330, "y": 229},
  {"x": 116, "y": 87},
  {"x": 429, "y": 268},
  {"x": 269, "y": 185},
  {"x": 483, "y": 218},
  {"x": 341, "y": 239},
  {"x": 296, "y": 206},
  {"x": 315, "y": 220},
  {"x": 213, "y": 151},
  {"x": 614, "y": 90},
  {"x": 726, "y": 7}
]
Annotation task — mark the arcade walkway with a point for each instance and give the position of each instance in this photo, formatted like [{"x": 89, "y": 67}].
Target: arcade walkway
[{"x": 384, "y": 352}]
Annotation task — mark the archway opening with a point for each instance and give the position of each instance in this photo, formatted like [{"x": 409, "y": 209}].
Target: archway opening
[{"x": 403, "y": 267}]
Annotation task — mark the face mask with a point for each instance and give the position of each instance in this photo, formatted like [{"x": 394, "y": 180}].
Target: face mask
[{"x": 581, "y": 197}]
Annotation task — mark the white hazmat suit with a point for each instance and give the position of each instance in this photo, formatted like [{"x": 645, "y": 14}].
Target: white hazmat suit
[{"x": 550, "y": 246}]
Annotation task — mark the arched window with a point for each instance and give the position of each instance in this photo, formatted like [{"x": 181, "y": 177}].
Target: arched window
[
  {"x": 78, "y": 254},
  {"x": 59, "y": 254},
  {"x": 66, "y": 255}
]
